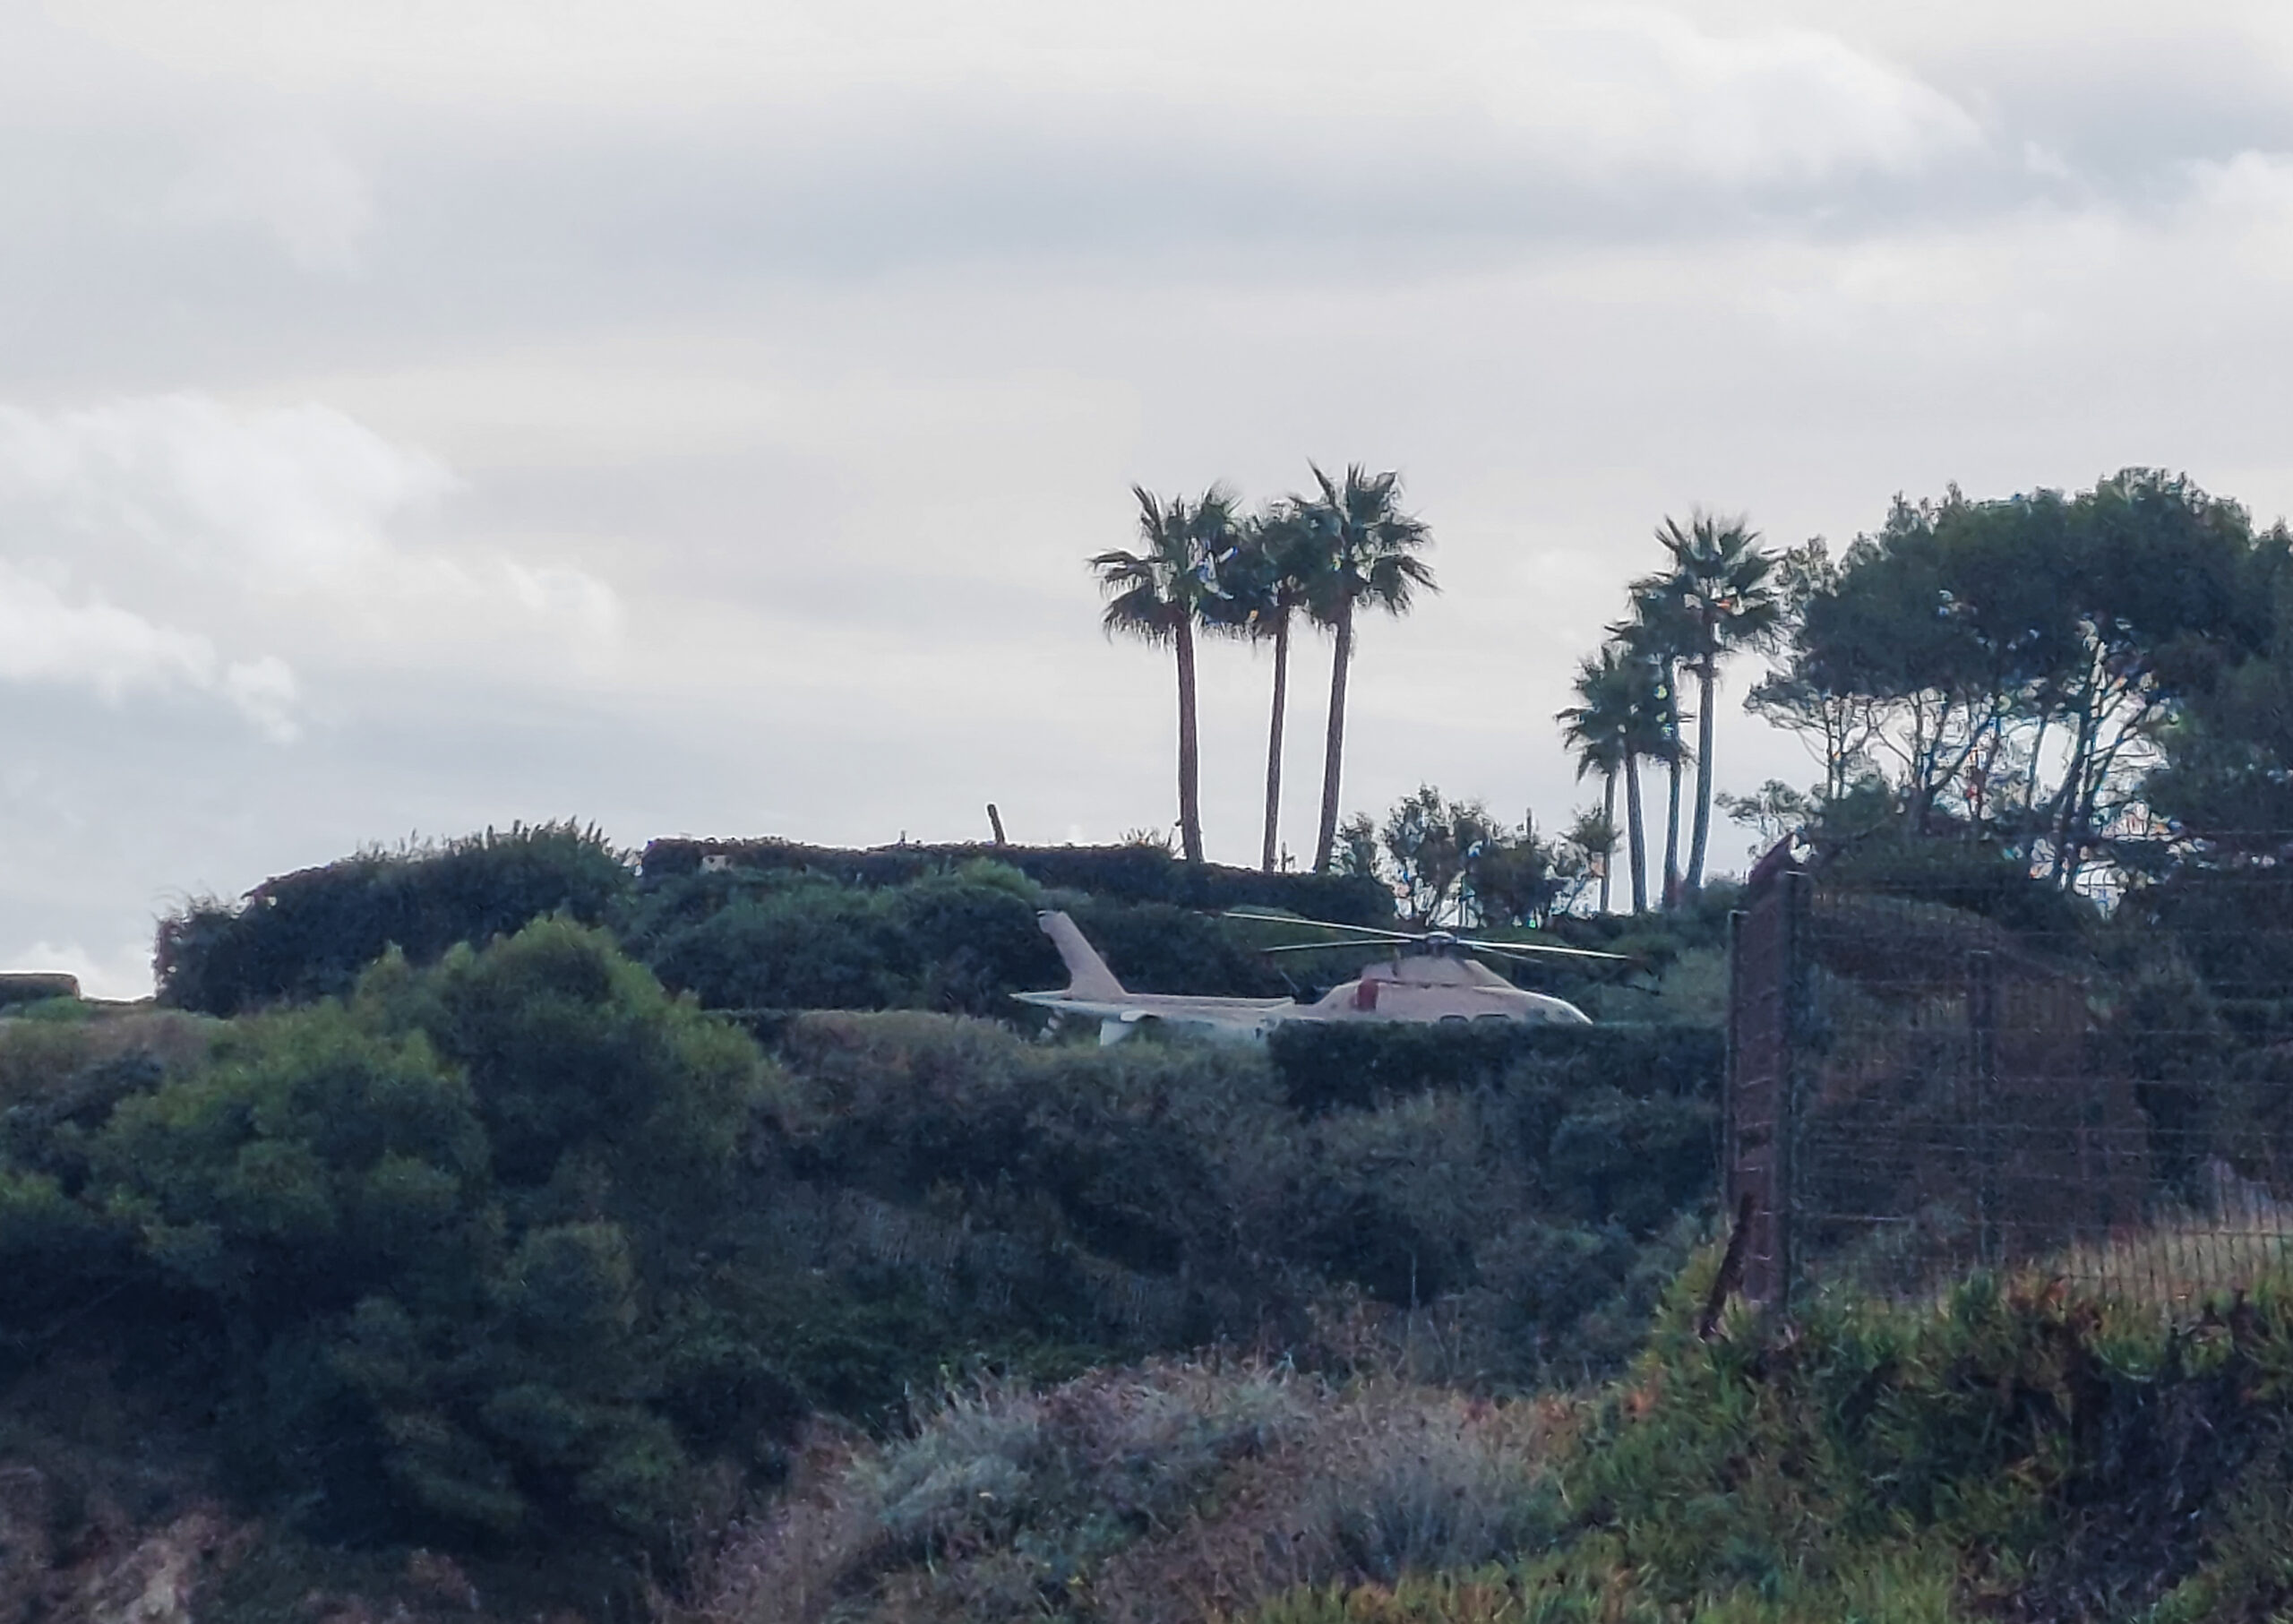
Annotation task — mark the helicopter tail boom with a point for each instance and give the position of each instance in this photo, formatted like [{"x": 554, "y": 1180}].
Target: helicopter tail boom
[{"x": 1088, "y": 975}]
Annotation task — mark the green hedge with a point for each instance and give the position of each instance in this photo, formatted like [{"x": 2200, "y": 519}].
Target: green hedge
[
  {"x": 1326, "y": 1065},
  {"x": 308, "y": 934},
  {"x": 1124, "y": 873},
  {"x": 33, "y": 987}
]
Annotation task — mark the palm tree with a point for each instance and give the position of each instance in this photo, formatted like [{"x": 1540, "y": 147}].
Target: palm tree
[
  {"x": 1721, "y": 581},
  {"x": 1365, "y": 552},
  {"x": 1270, "y": 581},
  {"x": 1596, "y": 730},
  {"x": 1660, "y": 635},
  {"x": 1651, "y": 734},
  {"x": 1622, "y": 721},
  {"x": 1157, "y": 595}
]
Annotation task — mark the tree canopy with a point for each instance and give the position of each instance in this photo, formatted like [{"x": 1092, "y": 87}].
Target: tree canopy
[{"x": 2053, "y": 674}]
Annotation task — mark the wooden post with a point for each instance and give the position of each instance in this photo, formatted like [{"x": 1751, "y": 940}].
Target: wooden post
[{"x": 995, "y": 822}]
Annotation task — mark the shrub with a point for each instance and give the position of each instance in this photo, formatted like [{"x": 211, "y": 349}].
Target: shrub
[
  {"x": 1149, "y": 1158},
  {"x": 1333, "y": 1063},
  {"x": 960, "y": 942},
  {"x": 1416, "y": 1488},
  {"x": 1004, "y": 1501},
  {"x": 308, "y": 935},
  {"x": 61, "y": 1253},
  {"x": 1083, "y": 1186},
  {"x": 439, "y": 1238},
  {"x": 1165, "y": 1493}
]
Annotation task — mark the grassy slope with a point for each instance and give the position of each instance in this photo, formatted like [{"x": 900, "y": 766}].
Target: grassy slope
[{"x": 2010, "y": 1452}]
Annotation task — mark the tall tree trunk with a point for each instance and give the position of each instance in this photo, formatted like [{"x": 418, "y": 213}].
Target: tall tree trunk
[
  {"x": 1189, "y": 755},
  {"x": 1639, "y": 841},
  {"x": 1334, "y": 747},
  {"x": 1707, "y": 677},
  {"x": 2074, "y": 780},
  {"x": 1672, "y": 794},
  {"x": 1608, "y": 816},
  {"x": 1274, "y": 738}
]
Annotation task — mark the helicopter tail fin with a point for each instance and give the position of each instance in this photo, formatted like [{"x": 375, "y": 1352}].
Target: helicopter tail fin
[{"x": 1088, "y": 975}]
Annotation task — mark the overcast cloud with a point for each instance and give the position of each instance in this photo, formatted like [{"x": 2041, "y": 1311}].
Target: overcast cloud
[{"x": 693, "y": 416}]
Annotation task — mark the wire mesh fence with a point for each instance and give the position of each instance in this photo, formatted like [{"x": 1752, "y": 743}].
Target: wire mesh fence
[{"x": 1915, "y": 1090}]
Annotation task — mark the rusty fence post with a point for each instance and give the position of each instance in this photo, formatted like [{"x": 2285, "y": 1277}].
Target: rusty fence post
[
  {"x": 1982, "y": 1032},
  {"x": 1730, "y": 1149},
  {"x": 1798, "y": 1022}
]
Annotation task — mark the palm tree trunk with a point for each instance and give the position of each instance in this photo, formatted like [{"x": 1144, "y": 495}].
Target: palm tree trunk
[
  {"x": 1274, "y": 738},
  {"x": 1707, "y": 677},
  {"x": 1334, "y": 746},
  {"x": 1639, "y": 838},
  {"x": 1189, "y": 753},
  {"x": 1672, "y": 819},
  {"x": 1608, "y": 816}
]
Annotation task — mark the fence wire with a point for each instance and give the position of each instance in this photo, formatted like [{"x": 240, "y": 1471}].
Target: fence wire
[{"x": 1916, "y": 1090}]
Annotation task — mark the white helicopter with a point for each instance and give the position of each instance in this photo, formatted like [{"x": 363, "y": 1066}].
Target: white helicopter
[{"x": 1426, "y": 980}]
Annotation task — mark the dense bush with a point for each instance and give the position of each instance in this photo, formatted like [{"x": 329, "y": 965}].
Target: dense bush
[
  {"x": 441, "y": 1230},
  {"x": 1111, "y": 1198},
  {"x": 1121, "y": 873},
  {"x": 1331, "y": 1064},
  {"x": 438, "y": 1254},
  {"x": 1221, "y": 1212},
  {"x": 960, "y": 941},
  {"x": 307, "y": 935}
]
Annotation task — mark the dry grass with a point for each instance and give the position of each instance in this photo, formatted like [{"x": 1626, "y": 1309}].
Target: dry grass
[
  {"x": 1390, "y": 1480},
  {"x": 1175, "y": 1492},
  {"x": 1001, "y": 1500},
  {"x": 2178, "y": 1265}
]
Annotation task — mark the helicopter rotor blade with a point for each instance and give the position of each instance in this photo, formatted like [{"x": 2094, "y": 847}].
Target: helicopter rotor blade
[
  {"x": 1536, "y": 956},
  {"x": 1255, "y": 917},
  {"x": 1537, "y": 949},
  {"x": 1368, "y": 935}
]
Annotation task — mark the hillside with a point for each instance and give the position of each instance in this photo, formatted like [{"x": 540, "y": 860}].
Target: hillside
[
  {"x": 517, "y": 1260},
  {"x": 510, "y": 1282}
]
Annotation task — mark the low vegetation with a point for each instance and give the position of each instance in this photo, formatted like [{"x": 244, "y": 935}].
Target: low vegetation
[
  {"x": 2009, "y": 1450},
  {"x": 518, "y": 1253}
]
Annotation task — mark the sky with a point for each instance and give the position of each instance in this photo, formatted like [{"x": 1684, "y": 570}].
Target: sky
[{"x": 692, "y": 418}]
